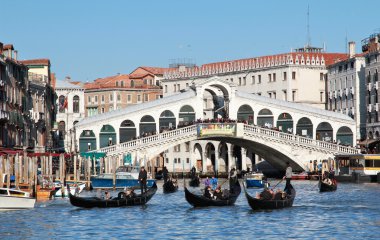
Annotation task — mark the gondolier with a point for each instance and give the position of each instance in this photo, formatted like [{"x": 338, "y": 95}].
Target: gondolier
[
  {"x": 142, "y": 179},
  {"x": 288, "y": 175}
]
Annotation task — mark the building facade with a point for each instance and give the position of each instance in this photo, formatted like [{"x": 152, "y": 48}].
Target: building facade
[
  {"x": 70, "y": 110},
  {"x": 371, "y": 50},
  {"x": 346, "y": 89},
  {"x": 117, "y": 92},
  {"x": 42, "y": 112},
  {"x": 14, "y": 101}
]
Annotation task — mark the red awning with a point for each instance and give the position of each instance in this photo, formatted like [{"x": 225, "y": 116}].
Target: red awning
[
  {"x": 11, "y": 152},
  {"x": 37, "y": 154}
]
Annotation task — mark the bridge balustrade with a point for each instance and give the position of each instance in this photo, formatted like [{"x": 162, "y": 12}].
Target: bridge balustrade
[{"x": 190, "y": 131}]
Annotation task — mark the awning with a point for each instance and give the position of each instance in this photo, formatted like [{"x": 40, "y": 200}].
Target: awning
[
  {"x": 91, "y": 155},
  {"x": 368, "y": 141},
  {"x": 11, "y": 152}
]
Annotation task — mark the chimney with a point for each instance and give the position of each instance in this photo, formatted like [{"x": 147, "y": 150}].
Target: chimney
[
  {"x": 15, "y": 54},
  {"x": 351, "y": 49}
]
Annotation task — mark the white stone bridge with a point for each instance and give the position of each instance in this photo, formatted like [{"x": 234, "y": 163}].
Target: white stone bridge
[{"x": 275, "y": 130}]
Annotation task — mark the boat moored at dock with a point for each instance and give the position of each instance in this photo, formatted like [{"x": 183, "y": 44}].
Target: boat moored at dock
[{"x": 12, "y": 199}]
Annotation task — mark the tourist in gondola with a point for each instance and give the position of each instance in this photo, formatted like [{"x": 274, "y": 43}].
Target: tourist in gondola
[
  {"x": 107, "y": 195},
  {"x": 218, "y": 194},
  {"x": 288, "y": 175},
  {"x": 208, "y": 192},
  {"x": 143, "y": 178},
  {"x": 207, "y": 182},
  {"x": 165, "y": 174},
  {"x": 214, "y": 182}
]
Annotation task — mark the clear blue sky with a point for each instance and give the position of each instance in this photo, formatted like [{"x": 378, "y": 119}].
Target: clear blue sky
[{"x": 91, "y": 39}]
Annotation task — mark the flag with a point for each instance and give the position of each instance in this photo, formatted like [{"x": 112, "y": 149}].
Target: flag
[{"x": 65, "y": 103}]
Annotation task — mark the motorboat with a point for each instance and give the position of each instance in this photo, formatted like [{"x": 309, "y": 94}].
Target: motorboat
[
  {"x": 255, "y": 179},
  {"x": 75, "y": 189},
  {"x": 126, "y": 176},
  {"x": 12, "y": 199}
]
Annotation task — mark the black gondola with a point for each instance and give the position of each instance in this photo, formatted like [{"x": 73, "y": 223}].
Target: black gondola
[
  {"x": 194, "y": 182},
  {"x": 170, "y": 187},
  {"x": 119, "y": 201},
  {"x": 202, "y": 201},
  {"x": 324, "y": 187},
  {"x": 257, "y": 204}
]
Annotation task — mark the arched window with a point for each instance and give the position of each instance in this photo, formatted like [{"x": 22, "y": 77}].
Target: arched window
[
  {"x": 76, "y": 104},
  {"x": 132, "y": 83},
  {"x": 61, "y": 130}
]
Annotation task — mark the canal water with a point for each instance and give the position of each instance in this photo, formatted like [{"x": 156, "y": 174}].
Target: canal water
[{"x": 352, "y": 212}]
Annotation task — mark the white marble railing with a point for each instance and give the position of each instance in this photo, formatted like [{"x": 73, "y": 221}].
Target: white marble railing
[
  {"x": 146, "y": 142},
  {"x": 190, "y": 133},
  {"x": 302, "y": 141}
]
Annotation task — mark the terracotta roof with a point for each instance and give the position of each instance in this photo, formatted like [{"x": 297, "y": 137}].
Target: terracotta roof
[
  {"x": 141, "y": 72},
  {"x": 8, "y": 46},
  {"x": 329, "y": 58},
  {"x": 42, "y": 61}
]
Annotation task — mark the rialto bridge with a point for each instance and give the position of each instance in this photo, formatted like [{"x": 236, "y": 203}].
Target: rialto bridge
[{"x": 190, "y": 123}]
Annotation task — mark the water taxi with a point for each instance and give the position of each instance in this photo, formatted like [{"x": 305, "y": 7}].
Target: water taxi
[
  {"x": 255, "y": 179},
  {"x": 358, "y": 167}
]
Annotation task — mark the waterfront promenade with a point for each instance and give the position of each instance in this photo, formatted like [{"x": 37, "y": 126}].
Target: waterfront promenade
[{"x": 352, "y": 212}]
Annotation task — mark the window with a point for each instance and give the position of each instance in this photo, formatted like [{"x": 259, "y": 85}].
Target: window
[
  {"x": 166, "y": 88},
  {"x": 259, "y": 80},
  {"x": 285, "y": 77},
  {"x": 187, "y": 160},
  {"x": 62, "y": 102},
  {"x": 175, "y": 88},
  {"x": 118, "y": 98},
  {"x": 270, "y": 94},
  {"x": 274, "y": 95},
  {"x": 178, "y": 87},
  {"x": 179, "y": 160},
  {"x": 274, "y": 77},
  {"x": 111, "y": 97},
  {"x": 129, "y": 98},
  {"x": 187, "y": 146},
  {"x": 138, "y": 98},
  {"x": 76, "y": 104},
  {"x": 117, "y": 83},
  {"x": 96, "y": 99},
  {"x": 352, "y": 65},
  {"x": 293, "y": 95},
  {"x": 102, "y": 98},
  {"x": 321, "y": 76},
  {"x": 285, "y": 95},
  {"x": 175, "y": 160},
  {"x": 294, "y": 75},
  {"x": 269, "y": 77},
  {"x": 187, "y": 85},
  {"x": 89, "y": 99},
  {"x": 232, "y": 80},
  {"x": 177, "y": 148},
  {"x": 122, "y": 83},
  {"x": 146, "y": 97},
  {"x": 102, "y": 110},
  {"x": 167, "y": 160},
  {"x": 132, "y": 83},
  {"x": 253, "y": 80},
  {"x": 239, "y": 81},
  {"x": 244, "y": 81},
  {"x": 321, "y": 96},
  {"x": 111, "y": 108}
]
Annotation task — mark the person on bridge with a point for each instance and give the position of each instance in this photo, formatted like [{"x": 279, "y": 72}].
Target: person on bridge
[
  {"x": 288, "y": 175},
  {"x": 165, "y": 173},
  {"x": 143, "y": 175}
]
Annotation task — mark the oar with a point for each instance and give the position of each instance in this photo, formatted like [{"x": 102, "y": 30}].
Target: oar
[{"x": 278, "y": 183}]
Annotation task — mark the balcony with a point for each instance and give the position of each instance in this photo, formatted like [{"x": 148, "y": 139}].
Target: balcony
[{"x": 4, "y": 115}]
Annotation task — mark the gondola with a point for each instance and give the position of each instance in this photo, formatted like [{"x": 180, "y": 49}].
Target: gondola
[
  {"x": 194, "y": 182},
  {"x": 324, "y": 187},
  {"x": 119, "y": 201},
  {"x": 257, "y": 204},
  {"x": 170, "y": 187},
  {"x": 202, "y": 201}
]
